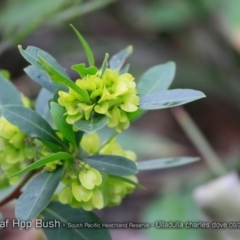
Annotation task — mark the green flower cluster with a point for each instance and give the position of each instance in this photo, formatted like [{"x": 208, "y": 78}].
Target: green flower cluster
[
  {"x": 15, "y": 148},
  {"x": 112, "y": 95},
  {"x": 88, "y": 188}
]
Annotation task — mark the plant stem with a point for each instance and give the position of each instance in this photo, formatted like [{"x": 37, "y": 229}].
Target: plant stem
[
  {"x": 17, "y": 191},
  {"x": 199, "y": 141}
]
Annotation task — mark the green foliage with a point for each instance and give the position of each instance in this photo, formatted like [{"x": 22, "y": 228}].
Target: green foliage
[
  {"x": 114, "y": 165},
  {"x": 92, "y": 174},
  {"x": 37, "y": 195},
  {"x": 67, "y": 215}
]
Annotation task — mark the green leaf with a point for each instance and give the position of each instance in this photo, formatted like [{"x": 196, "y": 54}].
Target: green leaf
[
  {"x": 83, "y": 71},
  {"x": 43, "y": 161},
  {"x": 59, "y": 119},
  {"x": 169, "y": 208},
  {"x": 117, "y": 60},
  {"x": 68, "y": 216},
  {"x": 169, "y": 98},
  {"x": 114, "y": 165},
  {"x": 59, "y": 78},
  {"x": 104, "y": 64},
  {"x": 32, "y": 54},
  {"x": 165, "y": 163},
  {"x": 5, "y": 73},
  {"x": 37, "y": 195},
  {"x": 156, "y": 79},
  {"x": 125, "y": 69},
  {"x": 79, "y": 135},
  {"x": 8, "y": 93},
  {"x": 85, "y": 45},
  {"x": 128, "y": 181},
  {"x": 29, "y": 122},
  {"x": 93, "y": 124},
  {"x": 41, "y": 106},
  {"x": 40, "y": 77}
]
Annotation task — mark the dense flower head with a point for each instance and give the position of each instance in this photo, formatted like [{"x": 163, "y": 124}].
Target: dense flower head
[
  {"x": 89, "y": 188},
  {"x": 112, "y": 95},
  {"x": 15, "y": 148}
]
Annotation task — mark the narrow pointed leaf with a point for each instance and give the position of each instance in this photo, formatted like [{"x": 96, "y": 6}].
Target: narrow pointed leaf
[
  {"x": 37, "y": 195},
  {"x": 165, "y": 163},
  {"x": 104, "y": 64},
  {"x": 59, "y": 78},
  {"x": 169, "y": 98},
  {"x": 86, "y": 47},
  {"x": 42, "y": 107},
  {"x": 43, "y": 161},
  {"x": 8, "y": 93},
  {"x": 31, "y": 54},
  {"x": 40, "y": 77},
  {"x": 114, "y": 165},
  {"x": 93, "y": 124},
  {"x": 156, "y": 79},
  {"x": 59, "y": 119},
  {"x": 117, "y": 60},
  {"x": 68, "y": 216},
  {"x": 29, "y": 122}
]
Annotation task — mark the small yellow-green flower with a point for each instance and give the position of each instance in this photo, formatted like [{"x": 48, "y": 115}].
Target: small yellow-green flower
[
  {"x": 112, "y": 95},
  {"x": 88, "y": 188}
]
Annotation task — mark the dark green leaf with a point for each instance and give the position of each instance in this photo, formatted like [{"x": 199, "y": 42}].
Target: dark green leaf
[
  {"x": 42, "y": 107},
  {"x": 117, "y": 60},
  {"x": 59, "y": 78},
  {"x": 165, "y": 163},
  {"x": 68, "y": 216},
  {"x": 156, "y": 79},
  {"x": 133, "y": 116},
  {"x": 104, "y": 64},
  {"x": 114, "y": 165},
  {"x": 85, "y": 45},
  {"x": 59, "y": 119},
  {"x": 32, "y": 54},
  {"x": 43, "y": 161},
  {"x": 79, "y": 135},
  {"x": 8, "y": 93},
  {"x": 40, "y": 77},
  {"x": 93, "y": 124},
  {"x": 169, "y": 98},
  {"x": 29, "y": 122},
  {"x": 37, "y": 195},
  {"x": 128, "y": 181},
  {"x": 83, "y": 71}
]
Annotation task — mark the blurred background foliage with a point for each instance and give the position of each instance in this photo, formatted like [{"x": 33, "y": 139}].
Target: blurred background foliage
[{"x": 201, "y": 36}]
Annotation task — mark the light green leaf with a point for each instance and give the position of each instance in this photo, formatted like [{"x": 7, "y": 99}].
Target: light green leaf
[
  {"x": 59, "y": 78},
  {"x": 59, "y": 119},
  {"x": 156, "y": 79},
  {"x": 128, "y": 181},
  {"x": 41, "y": 106},
  {"x": 169, "y": 98},
  {"x": 8, "y": 93},
  {"x": 68, "y": 216},
  {"x": 85, "y": 45},
  {"x": 43, "y": 161},
  {"x": 117, "y": 60},
  {"x": 93, "y": 124},
  {"x": 29, "y": 122},
  {"x": 32, "y": 54},
  {"x": 104, "y": 64},
  {"x": 40, "y": 77},
  {"x": 165, "y": 163},
  {"x": 114, "y": 165},
  {"x": 37, "y": 195},
  {"x": 83, "y": 71}
]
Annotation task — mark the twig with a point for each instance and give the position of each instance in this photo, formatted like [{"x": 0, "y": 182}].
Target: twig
[{"x": 198, "y": 139}]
